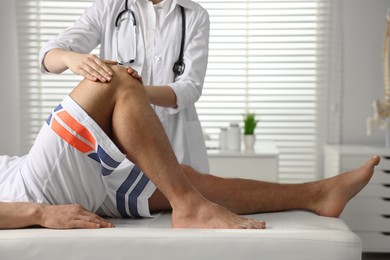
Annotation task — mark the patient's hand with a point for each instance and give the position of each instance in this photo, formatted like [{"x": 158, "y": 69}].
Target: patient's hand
[
  {"x": 69, "y": 216},
  {"x": 25, "y": 214}
]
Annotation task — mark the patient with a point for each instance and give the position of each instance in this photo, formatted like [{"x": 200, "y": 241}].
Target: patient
[{"x": 104, "y": 153}]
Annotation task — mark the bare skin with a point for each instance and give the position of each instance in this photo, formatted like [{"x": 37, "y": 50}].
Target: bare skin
[
  {"x": 197, "y": 200},
  {"x": 24, "y": 214},
  {"x": 338, "y": 190},
  {"x": 95, "y": 69},
  {"x": 128, "y": 119},
  {"x": 326, "y": 197}
]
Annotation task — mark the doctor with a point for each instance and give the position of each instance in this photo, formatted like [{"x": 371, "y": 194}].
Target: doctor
[{"x": 149, "y": 37}]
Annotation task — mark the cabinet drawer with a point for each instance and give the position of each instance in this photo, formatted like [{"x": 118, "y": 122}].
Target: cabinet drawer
[
  {"x": 380, "y": 176},
  {"x": 375, "y": 241},
  {"x": 375, "y": 190},
  {"x": 367, "y": 214},
  {"x": 354, "y": 161},
  {"x": 245, "y": 167},
  {"x": 366, "y": 205},
  {"x": 366, "y": 222}
]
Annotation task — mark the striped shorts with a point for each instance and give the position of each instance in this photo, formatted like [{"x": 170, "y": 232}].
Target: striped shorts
[{"x": 74, "y": 162}]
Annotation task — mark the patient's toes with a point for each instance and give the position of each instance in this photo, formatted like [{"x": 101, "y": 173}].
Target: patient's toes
[
  {"x": 253, "y": 224},
  {"x": 259, "y": 225}
]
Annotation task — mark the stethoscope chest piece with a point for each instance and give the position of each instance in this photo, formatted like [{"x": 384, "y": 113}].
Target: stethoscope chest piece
[{"x": 179, "y": 67}]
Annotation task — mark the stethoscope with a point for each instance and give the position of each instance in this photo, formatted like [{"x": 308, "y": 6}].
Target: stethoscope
[{"x": 178, "y": 67}]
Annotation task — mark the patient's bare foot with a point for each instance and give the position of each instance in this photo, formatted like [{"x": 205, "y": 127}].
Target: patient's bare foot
[
  {"x": 337, "y": 191},
  {"x": 210, "y": 215}
]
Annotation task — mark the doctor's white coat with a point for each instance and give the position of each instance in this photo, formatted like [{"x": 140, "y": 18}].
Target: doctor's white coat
[{"x": 97, "y": 26}]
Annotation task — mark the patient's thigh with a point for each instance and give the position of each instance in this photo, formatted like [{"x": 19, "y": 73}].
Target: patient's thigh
[{"x": 69, "y": 160}]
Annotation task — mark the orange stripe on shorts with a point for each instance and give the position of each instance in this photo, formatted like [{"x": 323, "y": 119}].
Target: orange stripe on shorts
[
  {"x": 77, "y": 127},
  {"x": 70, "y": 138}
]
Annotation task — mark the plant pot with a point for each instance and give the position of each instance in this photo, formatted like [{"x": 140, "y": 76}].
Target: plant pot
[{"x": 249, "y": 142}]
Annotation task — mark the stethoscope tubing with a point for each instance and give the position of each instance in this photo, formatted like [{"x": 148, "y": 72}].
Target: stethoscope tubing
[{"x": 179, "y": 65}]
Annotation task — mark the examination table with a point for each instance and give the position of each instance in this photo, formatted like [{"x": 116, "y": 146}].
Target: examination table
[{"x": 291, "y": 235}]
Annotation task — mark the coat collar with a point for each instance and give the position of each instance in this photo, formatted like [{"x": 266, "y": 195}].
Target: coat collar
[{"x": 185, "y": 3}]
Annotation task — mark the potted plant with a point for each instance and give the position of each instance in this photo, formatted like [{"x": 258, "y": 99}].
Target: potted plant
[{"x": 250, "y": 123}]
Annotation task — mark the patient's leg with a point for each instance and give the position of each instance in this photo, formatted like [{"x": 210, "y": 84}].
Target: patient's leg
[
  {"x": 122, "y": 110},
  {"x": 327, "y": 197}
]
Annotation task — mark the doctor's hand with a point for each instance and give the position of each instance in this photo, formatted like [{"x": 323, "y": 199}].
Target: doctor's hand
[
  {"x": 134, "y": 74},
  {"x": 89, "y": 66}
]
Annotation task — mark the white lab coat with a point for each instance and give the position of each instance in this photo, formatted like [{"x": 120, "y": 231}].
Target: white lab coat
[{"x": 97, "y": 26}]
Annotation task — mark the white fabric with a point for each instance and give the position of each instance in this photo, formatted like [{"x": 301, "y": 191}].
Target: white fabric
[
  {"x": 72, "y": 162},
  {"x": 9, "y": 178},
  {"x": 147, "y": 22},
  {"x": 294, "y": 235},
  {"x": 97, "y": 26},
  {"x": 152, "y": 18}
]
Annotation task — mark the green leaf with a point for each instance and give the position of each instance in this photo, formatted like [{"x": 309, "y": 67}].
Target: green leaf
[{"x": 250, "y": 123}]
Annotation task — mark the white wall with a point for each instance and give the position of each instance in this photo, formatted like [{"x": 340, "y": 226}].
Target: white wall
[
  {"x": 363, "y": 26},
  {"x": 9, "y": 87},
  {"x": 363, "y": 31}
]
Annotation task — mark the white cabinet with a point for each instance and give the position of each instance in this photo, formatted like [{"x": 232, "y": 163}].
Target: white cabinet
[
  {"x": 368, "y": 214},
  {"x": 261, "y": 163}
]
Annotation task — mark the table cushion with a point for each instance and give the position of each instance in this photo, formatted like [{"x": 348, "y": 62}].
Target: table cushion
[{"x": 289, "y": 235}]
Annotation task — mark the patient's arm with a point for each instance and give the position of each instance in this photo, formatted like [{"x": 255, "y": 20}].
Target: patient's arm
[{"x": 25, "y": 214}]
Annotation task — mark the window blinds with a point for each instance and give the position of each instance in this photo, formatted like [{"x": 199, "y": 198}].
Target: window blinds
[
  {"x": 37, "y": 22},
  {"x": 266, "y": 57}
]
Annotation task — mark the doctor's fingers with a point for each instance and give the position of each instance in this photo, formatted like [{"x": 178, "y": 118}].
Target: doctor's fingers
[
  {"x": 94, "y": 69},
  {"x": 110, "y": 62},
  {"x": 134, "y": 74}
]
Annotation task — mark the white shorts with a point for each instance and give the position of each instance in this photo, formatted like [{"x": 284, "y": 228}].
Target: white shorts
[{"x": 74, "y": 162}]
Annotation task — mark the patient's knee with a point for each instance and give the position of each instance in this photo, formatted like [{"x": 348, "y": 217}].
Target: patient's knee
[
  {"x": 121, "y": 78},
  {"x": 118, "y": 70},
  {"x": 120, "y": 83}
]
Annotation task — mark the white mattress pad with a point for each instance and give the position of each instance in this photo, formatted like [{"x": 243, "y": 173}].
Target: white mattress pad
[{"x": 289, "y": 235}]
